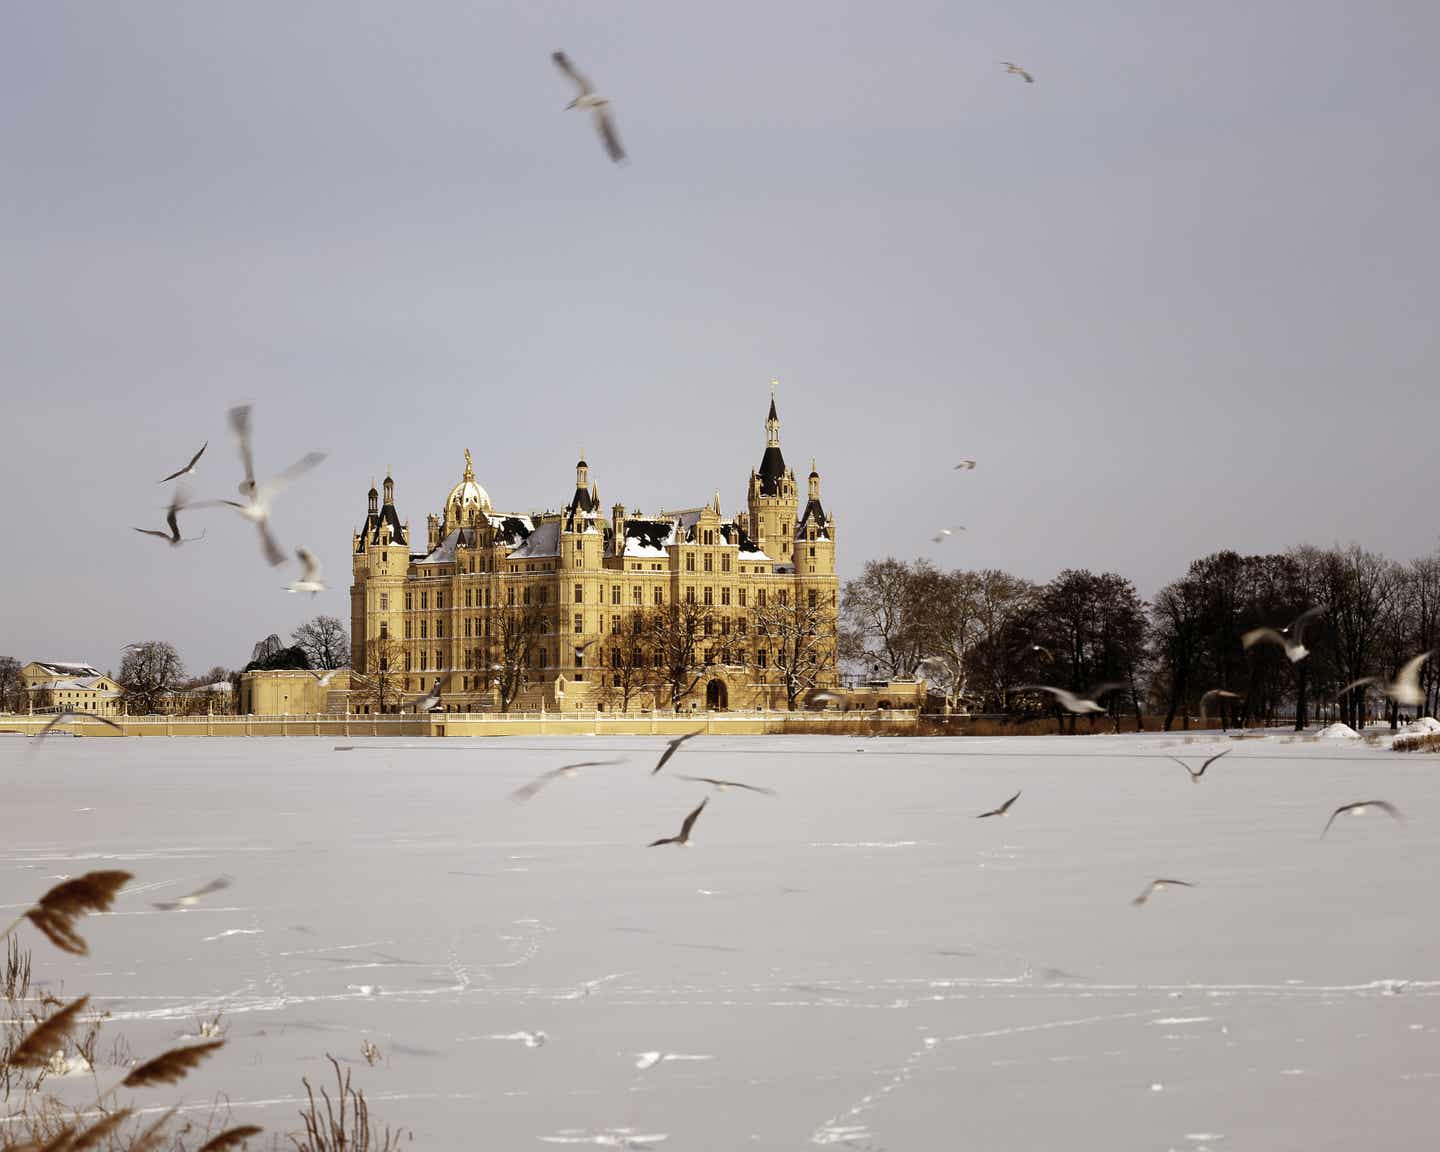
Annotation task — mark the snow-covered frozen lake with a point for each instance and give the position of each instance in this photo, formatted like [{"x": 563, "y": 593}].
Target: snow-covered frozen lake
[{"x": 854, "y": 962}]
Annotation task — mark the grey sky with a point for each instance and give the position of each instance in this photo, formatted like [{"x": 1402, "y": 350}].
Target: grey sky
[{"x": 1176, "y": 295}]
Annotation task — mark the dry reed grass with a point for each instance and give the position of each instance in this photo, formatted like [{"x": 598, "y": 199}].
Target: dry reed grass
[
  {"x": 1421, "y": 742},
  {"x": 328, "y": 1133}
]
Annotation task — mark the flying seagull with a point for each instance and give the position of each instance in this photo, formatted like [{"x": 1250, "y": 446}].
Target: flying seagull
[
  {"x": 1218, "y": 694},
  {"x": 324, "y": 678},
  {"x": 191, "y": 899},
  {"x": 432, "y": 698},
  {"x": 944, "y": 532},
  {"x": 588, "y": 98},
  {"x": 1155, "y": 885},
  {"x": 671, "y": 748},
  {"x": 1358, "y": 809},
  {"x": 190, "y": 467},
  {"x": 1289, "y": 638},
  {"x": 1404, "y": 689},
  {"x": 258, "y": 497},
  {"x": 67, "y": 717},
  {"x": 1004, "y": 808},
  {"x": 1194, "y": 775},
  {"x": 526, "y": 791},
  {"x": 178, "y": 503},
  {"x": 1018, "y": 71},
  {"x": 684, "y": 838},
  {"x": 309, "y": 573},
  {"x": 964, "y": 466},
  {"x": 721, "y": 785},
  {"x": 1085, "y": 702}
]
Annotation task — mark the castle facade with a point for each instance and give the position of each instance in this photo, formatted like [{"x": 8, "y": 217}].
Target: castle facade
[{"x": 577, "y": 609}]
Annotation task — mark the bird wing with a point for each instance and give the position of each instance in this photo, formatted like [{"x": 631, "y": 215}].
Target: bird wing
[
  {"x": 65, "y": 717},
  {"x": 605, "y": 124},
  {"x": 1028, "y": 78},
  {"x": 1297, "y": 626},
  {"x": 1193, "y": 773},
  {"x": 273, "y": 556},
  {"x": 1177, "y": 883},
  {"x": 1384, "y": 806},
  {"x": 240, "y": 426},
  {"x": 1212, "y": 760},
  {"x": 966, "y": 465},
  {"x": 292, "y": 473},
  {"x": 671, "y": 749},
  {"x": 562, "y": 62},
  {"x": 154, "y": 532},
  {"x": 309, "y": 566},
  {"x": 1357, "y": 684},
  {"x": 1100, "y": 689},
  {"x": 690, "y": 820},
  {"x": 217, "y": 885},
  {"x": 1408, "y": 678},
  {"x": 526, "y": 791},
  {"x": 1261, "y": 636},
  {"x": 193, "y": 460},
  {"x": 172, "y": 519},
  {"x": 1218, "y": 692}
]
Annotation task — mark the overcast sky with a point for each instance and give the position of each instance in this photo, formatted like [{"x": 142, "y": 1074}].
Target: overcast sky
[{"x": 1179, "y": 294}]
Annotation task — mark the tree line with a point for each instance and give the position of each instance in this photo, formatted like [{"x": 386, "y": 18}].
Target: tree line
[{"x": 983, "y": 637}]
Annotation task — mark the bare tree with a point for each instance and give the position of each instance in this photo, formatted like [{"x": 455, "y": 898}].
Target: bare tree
[
  {"x": 518, "y": 631},
  {"x": 325, "y": 641},
  {"x": 266, "y": 648},
  {"x": 800, "y": 638},
  {"x": 677, "y": 635},
  {"x": 883, "y": 618},
  {"x": 11, "y": 686},
  {"x": 379, "y": 685},
  {"x": 1358, "y": 588},
  {"x": 949, "y": 606},
  {"x": 149, "y": 672},
  {"x": 627, "y": 669}
]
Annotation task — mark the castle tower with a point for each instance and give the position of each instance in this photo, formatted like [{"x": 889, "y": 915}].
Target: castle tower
[
  {"x": 814, "y": 534},
  {"x": 582, "y": 558},
  {"x": 381, "y": 562},
  {"x": 773, "y": 498}
]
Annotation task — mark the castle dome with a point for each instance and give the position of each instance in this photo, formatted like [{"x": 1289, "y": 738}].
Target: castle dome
[{"x": 467, "y": 494}]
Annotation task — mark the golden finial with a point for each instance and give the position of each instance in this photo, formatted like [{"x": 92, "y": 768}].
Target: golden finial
[
  {"x": 773, "y": 382},
  {"x": 469, "y": 469},
  {"x": 812, "y": 464}
]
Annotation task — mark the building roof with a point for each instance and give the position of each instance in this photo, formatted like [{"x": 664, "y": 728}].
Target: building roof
[
  {"x": 371, "y": 532},
  {"x": 510, "y": 530},
  {"x": 542, "y": 542},
  {"x": 77, "y": 684},
  {"x": 772, "y": 470},
  {"x": 813, "y": 511},
  {"x": 445, "y": 551},
  {"x": 67, "y": 667}
]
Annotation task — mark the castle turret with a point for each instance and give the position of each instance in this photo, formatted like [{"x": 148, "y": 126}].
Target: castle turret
[
  {"x": 773, "y": 497},
  {"x": 381, "y": 561},
  {"x": 814, "y": 534}
]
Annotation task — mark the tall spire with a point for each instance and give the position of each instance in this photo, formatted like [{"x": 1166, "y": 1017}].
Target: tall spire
[{"x": 772, "y": 422}]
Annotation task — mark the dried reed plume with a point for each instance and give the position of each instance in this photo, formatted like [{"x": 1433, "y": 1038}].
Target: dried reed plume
[
  {"x": 327, "y": 1133},
  {"x": 232, "y": 1138},
  {"x": 98, "y": 1131},
  {"x": 151, "y": 1139},
  {"x": 37, "y": 1048},
  {"x": 55, "y": 913},
  {"x": 170, "y": 1067}
]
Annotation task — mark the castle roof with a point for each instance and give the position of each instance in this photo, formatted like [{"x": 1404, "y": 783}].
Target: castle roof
[
  {"x": 772, "y": 467},
  {"x": 371, "y": 531},
  {"x": 445, "y": 551},
  {"x": 67, "y": 668},
  {"x": 543, "y": 542},
  {"x": 816, "y": 512}
]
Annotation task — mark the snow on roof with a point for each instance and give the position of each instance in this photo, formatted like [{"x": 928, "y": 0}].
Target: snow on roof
[
  {"x": 445, "y": 551},
  {"x": 648, "y": 537},
  {"x": 80, "y": 684},
  {"x": 510, "y": 529},
  {"x": 69, "y": 667},
  {"x": 543, "y": 541}
]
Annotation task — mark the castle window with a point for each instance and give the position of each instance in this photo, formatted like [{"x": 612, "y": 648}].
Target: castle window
[
  {"x": 424, "y": 600},
  {"x": 743, "y": 596},
  {"x": 812, "y": 550},
  {"x": 784, "y": 597},
  {"x": 709, "y": 562},
  {"x": 545, "y": 594},
  {"x": 579, "y": 593},
  {"x": 709, "y": 626},
  {"x": 525, "y": 595},
  {"x": 760, "y": 598},
  {"x": 614, "y": 594},
  {"x": 422, "y": 660},
  {"x": 725, "y": 626},
  {"x": 439, "y": 600},
  {"x": 614, "y": 658},
  {"x": 384, "y": 630},
  {"x": 407, "y": 663},
  {"x": 467, "y": 598},
  {"x": 740, "y": 626},
  {"x": 424, "y": 629},
  {"x": 409, "y": 602},
  {"x": 637, "y": 595},
  {"x": 439, "y": 629},
  {"x": 579, "y": 622},
  {"x": 615, "y": 624},
  {"x": 659, "y": 596},
  {"x": 407, "y": 629},
  {"x": 384, "y": 664},
  {"x": 690, "y": 562},
  {"x": 384, "y": 602},
  {"x": 725, "y": 596},
  {"x": 709, "y": 595},
  {"x": 579, "y": 659},
  {"x": 725, "y": 562},
  {"x": 812, "y": 598},
  {"x": 760, "y": 657},
  {"x": 690, "y": 595}
]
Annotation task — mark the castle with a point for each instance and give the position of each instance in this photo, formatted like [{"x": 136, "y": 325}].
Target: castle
[{"x": 572, "y": 609}]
